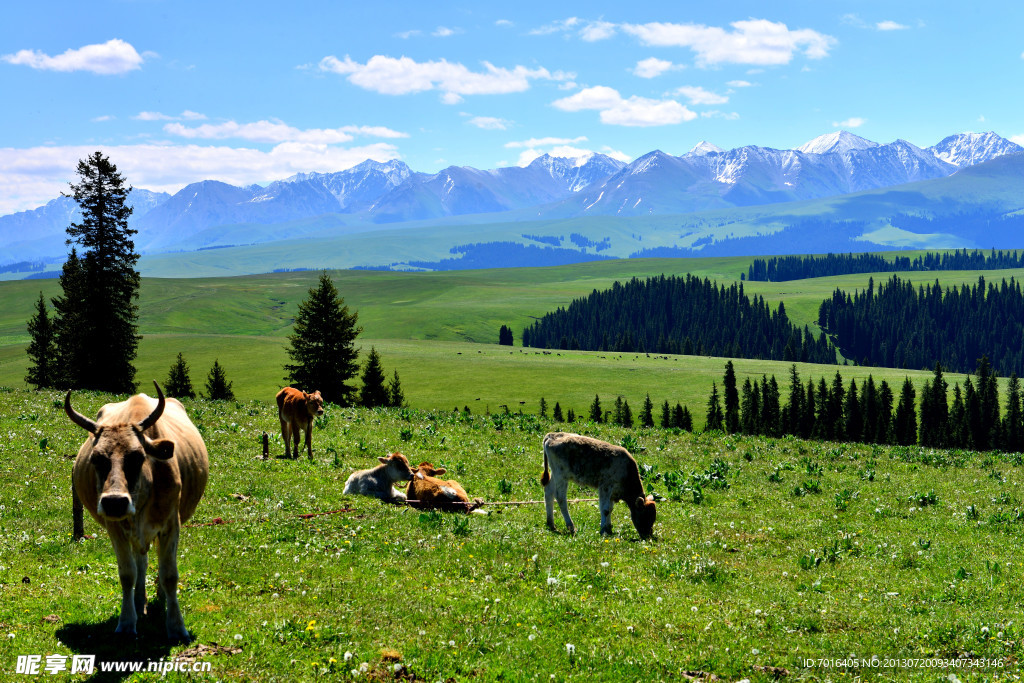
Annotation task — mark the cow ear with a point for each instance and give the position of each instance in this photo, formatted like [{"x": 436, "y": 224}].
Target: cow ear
[
  {"x": 440, "y": 471},
  {"x": 419, "y": 473},
  {"x": 161, "y": 449},
  {"x": 384, "y": 461},
  {"x": 640, "y": 502}
]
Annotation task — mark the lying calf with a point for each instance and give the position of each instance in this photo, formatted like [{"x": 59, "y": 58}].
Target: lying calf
[
  {"x": 380, "y": 481},
  {"x": 427, "y": 492}
]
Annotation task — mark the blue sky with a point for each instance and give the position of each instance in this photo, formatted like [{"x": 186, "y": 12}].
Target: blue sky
[{"x": 176, "y": 92}]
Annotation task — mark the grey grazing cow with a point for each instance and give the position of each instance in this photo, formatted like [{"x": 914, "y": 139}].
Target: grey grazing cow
[
  {"x": 597, "y": 464},
  {"x": 380, "y": 481},
  {"x": 140, "y": 474}
]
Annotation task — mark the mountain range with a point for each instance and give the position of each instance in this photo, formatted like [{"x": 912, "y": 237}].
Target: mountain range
[{"x": 374, "y": 195}]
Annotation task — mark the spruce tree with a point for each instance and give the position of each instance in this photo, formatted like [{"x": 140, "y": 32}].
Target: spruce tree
[
  {"x": 1013, "y": 423},
  {"x": 68, "y": 319},
  {"x": 178, "y": 383},
  {"x": 596, "y": 415},
  {"x": 732, "y": 399},
  {"x": 218, "y": 388},
  {"x": 543, "y": 412},
  {"x": 505, "y": 337},
  {"x": 396, "y": 397},
  {"x": 626, "y": 415},
  {"x": 666, "y": 415},
  {"x": 322, "y": 347},
  {"x": 556, "y": 413},
  {"x": 685, "y": 419},
  {"x": 715, "y": 419},
  {"x": 373, "y": 393},
  {"x": 108, "y": 320},
  {"x": 905, "y": 423},
  {"x": 42, "y": 349},
  {"x": 647, "y": 413}
]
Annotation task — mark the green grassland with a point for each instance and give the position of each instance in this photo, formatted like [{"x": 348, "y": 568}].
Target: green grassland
[
  {"x": 790, "y": 553},
  {"x": 438, "y": 331}
]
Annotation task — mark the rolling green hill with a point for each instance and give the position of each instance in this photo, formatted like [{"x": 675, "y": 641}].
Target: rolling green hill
[{"x": 439, "y": 330}]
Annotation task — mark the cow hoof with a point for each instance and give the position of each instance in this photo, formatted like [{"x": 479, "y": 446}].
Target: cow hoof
[
  {"x": 178, "y": 634},
  {"x": 125, "y": 630}
]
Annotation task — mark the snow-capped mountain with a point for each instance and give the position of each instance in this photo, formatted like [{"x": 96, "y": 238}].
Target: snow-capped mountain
[
  {"x": 212, "y": 213},
  {"x": 968, "y": 149},
  {"x": 838, "y": 142}
]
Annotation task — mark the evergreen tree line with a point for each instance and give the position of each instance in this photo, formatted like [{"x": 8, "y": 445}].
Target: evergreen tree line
[
  {"x": 784, "y": 268},
  {"x": 621, "y": 414},
  {"x": 678, "y": 315},
  {"x": 179, "y": 382},
  {"x": 873, "y": 413},
  {"x": 904, "y": 326}
]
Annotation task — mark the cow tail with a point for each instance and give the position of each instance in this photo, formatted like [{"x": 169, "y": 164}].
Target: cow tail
[{"x": 546, "y": 477}]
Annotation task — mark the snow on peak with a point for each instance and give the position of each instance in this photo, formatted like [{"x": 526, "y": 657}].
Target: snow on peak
[
  {"x": 704, "y": 148},
  {"x": 838, "y": 142},
  {"x": 967, "y": 149}
]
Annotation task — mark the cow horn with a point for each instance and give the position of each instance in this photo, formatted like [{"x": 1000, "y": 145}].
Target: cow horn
[
  {"x": 76, "y": 417},
  {"x": 157, "y": 412}
]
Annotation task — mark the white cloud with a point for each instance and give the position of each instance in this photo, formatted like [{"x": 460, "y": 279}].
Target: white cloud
[
  {"x": 406, "y": 35},
  {"x": 890, "y": 26},
  {"x": 157, "y": 116},
  {"x": 617, "y": 111},
  {"x": 852, "y": 122},
  {"x": 597, "y": 30},
  {"x": 557, "y": 27},
  {"x": 276, "y": 132},
  {"x": 590, "y": 31},
  {"x": 390, "y": 76},
  {"x": 753, "y": 41},
  {"x": 739, "y": 84},
  {"x": 545, "y": 142},
  {"x": 101, "y": 119},
  {"x": 489, "y": 123},
  {"x": 697, "y": 95},
  {"x": 563, "y": 148},
  {"x": 444, "y": 32},
  {"x": 1018, "y": 139},
  {"x": 653, "y": 67},
  {"x": 503, "y": 22},
  {"x": 32, "y": 177},
  {"x": 109, "y": 58},
  {"x": 714, "y": 114}
]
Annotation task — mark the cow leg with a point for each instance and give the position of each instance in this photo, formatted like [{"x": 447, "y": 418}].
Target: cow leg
[
  {"x": 286, "y": 437},
  {"x": 141, "y": 565},
  {"x": 605, "y": 502},
  {"x": 168, "y": 579},
  {"x": 549, "y": 504},
  {"x": 127, "y": 572},
  {"x": 309, "y": 440},
  {"x": 561, "y": 493}
]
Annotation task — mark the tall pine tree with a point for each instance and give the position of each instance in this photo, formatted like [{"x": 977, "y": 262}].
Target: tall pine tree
[
  {"x": 179, "y": 384},
  {"x": 322, "y": 348},
  {"x": 373, "y": 393},
  {"x": 106, "y": 319},
  {"x": 42, "y": 349}
]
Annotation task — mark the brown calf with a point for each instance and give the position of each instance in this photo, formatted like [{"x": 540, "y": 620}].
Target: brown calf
[
  {"x": 297, "y": 410},
  {"x": 428, "y": 492}
]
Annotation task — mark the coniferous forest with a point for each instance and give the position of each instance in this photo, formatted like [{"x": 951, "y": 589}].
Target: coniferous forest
[
  {"x": 875, "y": 412},
  {"x": 784, "y": 268},
  {"x": 676, "y": 315},
  {"x": 904, "y": 326}
]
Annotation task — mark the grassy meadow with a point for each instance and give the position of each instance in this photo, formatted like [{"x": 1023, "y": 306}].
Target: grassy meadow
[
  {"x": 438, "y": 330},
  {"x": 772, "y": 559}
]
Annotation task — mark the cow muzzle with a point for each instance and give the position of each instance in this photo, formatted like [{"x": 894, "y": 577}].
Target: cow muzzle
[{"x": 116, "y": 506}]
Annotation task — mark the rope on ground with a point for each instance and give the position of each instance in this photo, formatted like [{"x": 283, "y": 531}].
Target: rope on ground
[{"x": 471, "y": 505}]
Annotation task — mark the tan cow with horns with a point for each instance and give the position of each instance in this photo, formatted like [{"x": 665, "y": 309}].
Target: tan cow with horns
[{"x": 141, "y": 474}]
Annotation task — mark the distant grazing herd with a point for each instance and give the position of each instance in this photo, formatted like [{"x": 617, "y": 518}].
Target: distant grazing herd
[{"x": 143, "y": 470}]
